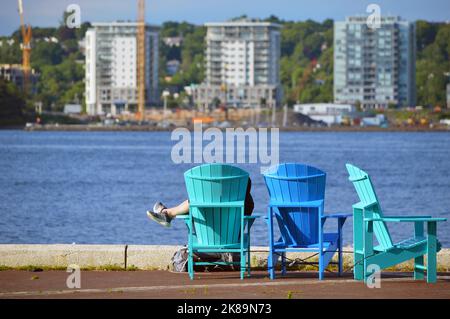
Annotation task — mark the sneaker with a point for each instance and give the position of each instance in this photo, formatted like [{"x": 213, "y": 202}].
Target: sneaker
[
  {"x": 158, "y": 207},
  {"x": 161, "y": 218},
  {"x": 228, "y": 258}
]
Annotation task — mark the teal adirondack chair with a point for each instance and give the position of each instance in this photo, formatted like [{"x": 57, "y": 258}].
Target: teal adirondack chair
[
  {"x": 368, "y": 220},
  {"x": 216, "y": 220}
]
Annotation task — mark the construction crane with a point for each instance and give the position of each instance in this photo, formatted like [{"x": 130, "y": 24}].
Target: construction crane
[
  {"x": 141, "y": 60},
  {"x": 305, "y": 77},
  {"x": 26, "y": 49}
]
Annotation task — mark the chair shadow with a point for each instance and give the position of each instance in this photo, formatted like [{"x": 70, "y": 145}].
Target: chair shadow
[{"x": 258, "y": 275}]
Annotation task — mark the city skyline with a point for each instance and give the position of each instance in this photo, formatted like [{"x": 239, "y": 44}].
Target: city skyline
[{"x": 47, "y": 13}]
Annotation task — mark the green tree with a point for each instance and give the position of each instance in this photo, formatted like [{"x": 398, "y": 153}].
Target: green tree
[
  {"x": 12, "y": 105},
  {"x": 46, "y": 53},
  {"x": 191, "y": 54},
  {"x": 425, "y": 34},
  {"x": 10, "y": 53},
  {"x": 433, "y": 62},
  {"x": 61, "y": 84}
]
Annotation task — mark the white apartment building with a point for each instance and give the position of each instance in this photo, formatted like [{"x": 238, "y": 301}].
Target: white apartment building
[
  {"x": 111, "y": 67},
  {"x": 242, "y": 64}
]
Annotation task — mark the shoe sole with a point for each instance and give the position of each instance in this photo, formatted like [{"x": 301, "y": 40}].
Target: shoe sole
[{"x": 165, "y": 224}]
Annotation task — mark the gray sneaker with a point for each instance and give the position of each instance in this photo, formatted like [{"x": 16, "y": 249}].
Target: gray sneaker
[
  {"x": 158, "y": 207},
  {"x": 161, "y": 218},
  {"x": 228, "y": 258}
]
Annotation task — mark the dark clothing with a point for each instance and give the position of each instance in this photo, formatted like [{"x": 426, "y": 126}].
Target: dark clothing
[{"x": 249, "y": 204}]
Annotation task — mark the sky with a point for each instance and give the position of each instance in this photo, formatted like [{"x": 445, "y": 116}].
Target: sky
[{"x": 48, "y": 13}]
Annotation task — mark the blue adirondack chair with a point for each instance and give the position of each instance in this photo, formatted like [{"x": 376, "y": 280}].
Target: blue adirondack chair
[
  {"x": 297, "y": 195},
  {"x": 368, "y": 220},
  {"x": 216, "y": 220}
]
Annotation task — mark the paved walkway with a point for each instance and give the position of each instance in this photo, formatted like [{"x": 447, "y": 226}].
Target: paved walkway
[{"x": 164, "y": 284}]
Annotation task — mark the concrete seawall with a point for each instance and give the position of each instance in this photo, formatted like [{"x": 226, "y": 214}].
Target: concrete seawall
[{"x": 146, "y": 257}]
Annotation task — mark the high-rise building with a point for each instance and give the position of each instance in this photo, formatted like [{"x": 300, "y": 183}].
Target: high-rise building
[
  {"x": 375, "y": 67},
  {"x": 111, "y": 67},
  {"x": 242, "y": 64}
]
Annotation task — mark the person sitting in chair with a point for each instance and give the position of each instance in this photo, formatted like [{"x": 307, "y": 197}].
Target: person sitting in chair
[{"x": 164, "y": 215}]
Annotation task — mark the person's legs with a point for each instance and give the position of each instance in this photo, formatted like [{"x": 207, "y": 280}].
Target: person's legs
[
  {"x": 164, "y": 216},
  {"x": 181, "y": 209}
]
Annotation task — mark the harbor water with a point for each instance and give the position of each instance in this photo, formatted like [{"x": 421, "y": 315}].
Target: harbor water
[{"x": 95, "y": 187}]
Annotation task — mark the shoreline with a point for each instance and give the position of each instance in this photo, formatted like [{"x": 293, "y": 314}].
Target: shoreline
[
  {"x": 138, "y": 128},
  {"x": 143, "y": 257}
]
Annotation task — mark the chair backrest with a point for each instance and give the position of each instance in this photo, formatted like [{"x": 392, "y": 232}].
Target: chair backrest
[
  {"x": 292, "y": 182},
  {"x": 216, "y": 183},
  {"x": 366, "y": 193},
  {"x": 296, "y": 183}
]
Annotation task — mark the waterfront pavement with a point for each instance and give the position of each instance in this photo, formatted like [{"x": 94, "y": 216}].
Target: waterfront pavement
[{"x": 166, "y": 284}]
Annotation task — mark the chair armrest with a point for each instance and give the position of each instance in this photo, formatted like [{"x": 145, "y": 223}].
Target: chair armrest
[
  {"x": 249, "y": 220},
  {"x": 364, "y": 206},
  {"x": 337, "y": 215},
  {"x": 254, "y": 216},
  {"x": 184, "y": 217},
  {"x": 406, "y": 219}
]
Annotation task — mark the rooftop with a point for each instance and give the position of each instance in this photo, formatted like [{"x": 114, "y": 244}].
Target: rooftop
[
  {"x": 363, "y": 19},
  {"x": 121, "y": 24},
  {"x": 245, "y": 22}
]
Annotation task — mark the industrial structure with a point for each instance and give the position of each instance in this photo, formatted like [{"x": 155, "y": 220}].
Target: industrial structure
[
  {"x": 304, "y": 79},
  {"x": 374, "y": 67},
  {"x": 242, "y": 65},
  {"x": 325, "y": 112},
  {"x": 141, "y": 60},
  {"x": 120, "y": 74},
  {"x": 26, "y": 48}
]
